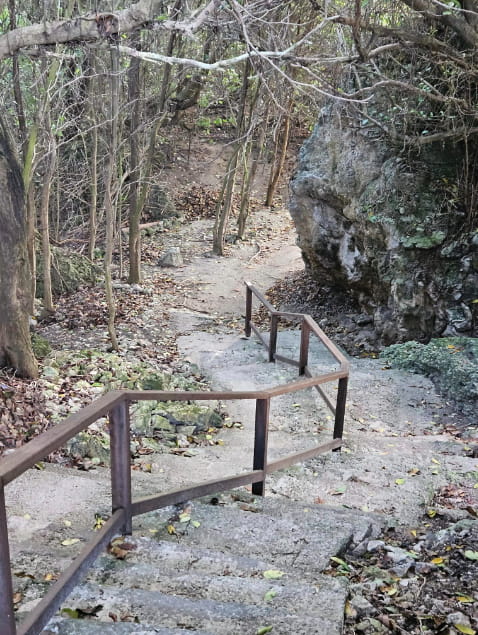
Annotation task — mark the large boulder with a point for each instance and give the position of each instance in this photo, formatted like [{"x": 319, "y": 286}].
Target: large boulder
[{"x": 386, "y": 228}]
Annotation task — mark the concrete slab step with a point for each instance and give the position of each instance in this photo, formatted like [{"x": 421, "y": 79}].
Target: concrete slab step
[
  {"x": 176, "y": 611},
  {"x": 61, "y": 626},
  {"x": 297, "y": 597},
  {"x": 282, "y": 533}
]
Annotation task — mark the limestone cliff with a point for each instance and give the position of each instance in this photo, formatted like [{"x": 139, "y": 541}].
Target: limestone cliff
[{"x": 387, "y": 228}]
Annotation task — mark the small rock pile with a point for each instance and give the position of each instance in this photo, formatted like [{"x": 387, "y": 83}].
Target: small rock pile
[{"x": 414, "y": 581}]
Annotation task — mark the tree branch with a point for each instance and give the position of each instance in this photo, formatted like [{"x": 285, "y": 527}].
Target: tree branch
[
  {"x": 443, "y": 14},
  {"x": 98, "y": 26}
]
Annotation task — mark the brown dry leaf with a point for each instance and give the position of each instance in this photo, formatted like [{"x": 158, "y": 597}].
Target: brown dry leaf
[
  {"x": 17, "y": 597},
  {"x": 119, "y": 548},
  {"x": 50, "y": 577}
]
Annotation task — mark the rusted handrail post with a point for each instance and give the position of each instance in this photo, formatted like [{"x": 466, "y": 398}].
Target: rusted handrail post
[
  {"x": 248, "y": 311},
  {"x": 7, "y": 618},
  {"x": 304, "y": 346},
  {"x": 340, "y": 409},
  {"x": 273, "y": 337},
  {"x": 260, "y": 442},
  {"x": 121, "y": 462}
]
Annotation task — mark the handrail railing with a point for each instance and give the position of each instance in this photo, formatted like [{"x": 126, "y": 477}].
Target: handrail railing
[{"x": 116, "y": 405}]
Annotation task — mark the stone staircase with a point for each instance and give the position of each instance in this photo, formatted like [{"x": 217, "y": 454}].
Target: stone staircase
[{"x": 234, "y": 564}]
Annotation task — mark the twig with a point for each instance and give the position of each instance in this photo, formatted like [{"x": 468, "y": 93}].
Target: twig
[{"x": 259, "y": 249}]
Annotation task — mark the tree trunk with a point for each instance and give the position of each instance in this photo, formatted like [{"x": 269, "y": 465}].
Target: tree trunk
[
  {"x": 279, "y": 160},
  {"x": 224, "y": 205},
  {"x": 92, "y": 120},
  {"x": 50, "y": 161},
  {"x": 248, "y": 183},
  {"x": 250, "y": 174},
  {"x": 134, "y": 247},
  {"x": 141, "y": 190},
  {"x": 15, "y": 287},
  {"x": 108, "y": 204}
]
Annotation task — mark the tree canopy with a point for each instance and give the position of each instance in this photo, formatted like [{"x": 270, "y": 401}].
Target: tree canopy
[{"x": 88, "y": 88}]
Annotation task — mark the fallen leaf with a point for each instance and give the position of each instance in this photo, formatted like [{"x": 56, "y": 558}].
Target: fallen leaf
[
  {"x": 399, "y": 481},
  {"x": 172, "y": 530},
  {"x": 72, "y": 613},
  {"x": 463, "y": 628},
  {"x": 264, "y": 629},
  {"x": 273, "y": 574},
  {"x": 465, "y": 599},
  {"x": 341, "y": 489},
  {"x": 471, "y": 555},
  {"x": 269, "y": 595},
  {"x": 438, "y": 560},
  {"x": 70, "y": 541},
  {"x": 119, "y": 548},
  {"x": 350, "y": 611},
  {"x": 340, "y": 562}
]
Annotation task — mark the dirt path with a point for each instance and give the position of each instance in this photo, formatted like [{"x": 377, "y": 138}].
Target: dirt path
[{"x": 216, "y": 285}]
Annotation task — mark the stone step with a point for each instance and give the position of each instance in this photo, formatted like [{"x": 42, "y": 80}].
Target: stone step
[
  {"x": 254, "y": 591},
  {"x": 213, "y": 565},
  {"x": 61, "y": 626},
  {"x": 280, "y": 532},
  {"x": 219, "y": 617}
]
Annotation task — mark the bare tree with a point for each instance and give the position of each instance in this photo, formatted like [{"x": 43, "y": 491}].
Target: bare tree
[{"x": 415, "y": 56}]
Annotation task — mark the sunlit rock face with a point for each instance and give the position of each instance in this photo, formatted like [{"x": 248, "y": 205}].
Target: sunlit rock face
[{"x": 389, "y": 229}]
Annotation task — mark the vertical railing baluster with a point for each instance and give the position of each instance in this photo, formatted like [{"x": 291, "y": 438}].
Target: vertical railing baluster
[
  {"x": 260, "y": 443},
  {"x": 340, "y": 409},
  {"x": 120, "y": 462},
  {"x": 248, "y": 311},
  {"x": 273, "y": 337},
  {"x": 7, "y": 617},
  {"x": 304, "y": 346}
]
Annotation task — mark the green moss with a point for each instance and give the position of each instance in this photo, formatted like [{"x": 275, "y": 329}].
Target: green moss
[
  {"x": 422, "y": 241},
  {"x": 109, "y": 371},
  {"x": 68, "y": 272},
  {"x": 41, "y": 346},
  {"x": 451, "y": 362}
]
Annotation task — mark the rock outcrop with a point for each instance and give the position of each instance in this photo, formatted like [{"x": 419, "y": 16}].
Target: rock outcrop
[{"x": 387, "y": 228}]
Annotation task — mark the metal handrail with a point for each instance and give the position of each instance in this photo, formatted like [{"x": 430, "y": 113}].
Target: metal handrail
[{"x": 116, "y": 405}]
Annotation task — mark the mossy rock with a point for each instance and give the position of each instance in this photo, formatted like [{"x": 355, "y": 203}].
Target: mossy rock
[
  {"x": 89, "y": 445},
  {"x": 109, "y": 371},
  {"x": 170, "y": 418},
  {"x": 160, "y": 205},
  {"x": 69, "y": 271},
  {"x": 451, "y": 363},
  {"x": 41, "y": 346}
]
